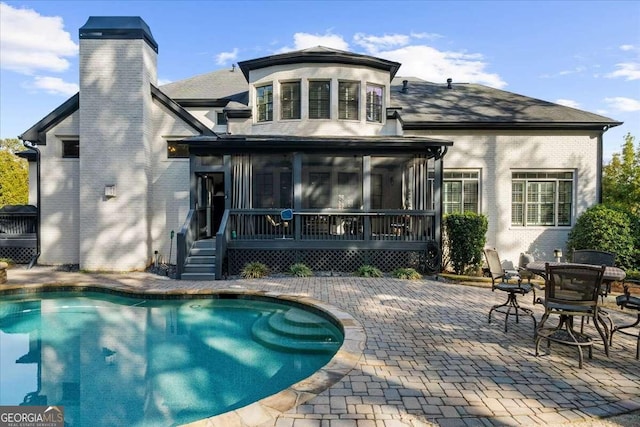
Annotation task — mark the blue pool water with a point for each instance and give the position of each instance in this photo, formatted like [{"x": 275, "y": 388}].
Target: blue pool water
[{"x": 112, "y": 360}]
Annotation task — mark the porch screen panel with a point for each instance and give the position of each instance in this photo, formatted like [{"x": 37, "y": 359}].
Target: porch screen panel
[
  {"x": 241, "y": 191},
  {"x": 417, "y": 193},
  {"x": 416, "y": 188}
]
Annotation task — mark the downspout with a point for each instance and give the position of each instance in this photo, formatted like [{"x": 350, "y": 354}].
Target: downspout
[{"x": 32, "y": 146}]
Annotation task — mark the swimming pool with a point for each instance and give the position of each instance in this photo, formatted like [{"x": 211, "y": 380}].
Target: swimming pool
[{"x": 108, "y": 358}]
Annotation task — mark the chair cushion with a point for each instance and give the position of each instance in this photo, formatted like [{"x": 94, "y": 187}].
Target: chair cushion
[
  {"x": 513, "y": 287},
  {"x": 631, "y": 302}
]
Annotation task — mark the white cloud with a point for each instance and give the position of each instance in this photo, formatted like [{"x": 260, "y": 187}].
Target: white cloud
[
  {"x": 622, "y": 104},
  {"x": 568, "y": 103},
  {"x": 373, "y": 44},
  {"x": 30, "y": 42},
  {"x": 418, "y": 60},
  {"x": 224, "y": 57},
  {"x": 306, "y": 40},
  {"x": 628, "y": 47},
  {"x": 430, "y": 64},
  {"x": 53, "y": 85},
  {"x": 627, "y": 70}
]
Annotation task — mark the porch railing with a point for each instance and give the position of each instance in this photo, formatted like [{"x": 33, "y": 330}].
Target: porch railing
[{"x": 385, "y": 225}]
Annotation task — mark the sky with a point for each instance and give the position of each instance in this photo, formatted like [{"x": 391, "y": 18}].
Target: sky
[{"x": 582, "y": 54}]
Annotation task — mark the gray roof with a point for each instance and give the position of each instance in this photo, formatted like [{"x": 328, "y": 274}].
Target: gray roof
[
  {"x": 227, "y": 84},
  {"x": 427, "y": 104}
]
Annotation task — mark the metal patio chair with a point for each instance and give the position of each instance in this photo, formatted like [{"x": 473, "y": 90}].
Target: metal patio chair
[
  {"x": 571, "y": 290},
  {"x": 500, "y": 280},
  {"x": 630, "y": 301}
]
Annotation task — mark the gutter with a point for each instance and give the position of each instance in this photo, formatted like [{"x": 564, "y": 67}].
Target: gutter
[{"x": 29, "y": 144}]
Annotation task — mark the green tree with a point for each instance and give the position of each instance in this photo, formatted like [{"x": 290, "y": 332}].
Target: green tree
[
  {"x": 621, "y": 178},
  {"x": 14, "y": 174}
]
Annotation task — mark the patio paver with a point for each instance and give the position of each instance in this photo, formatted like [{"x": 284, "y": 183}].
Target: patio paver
[{"x": 430, "y": 356}]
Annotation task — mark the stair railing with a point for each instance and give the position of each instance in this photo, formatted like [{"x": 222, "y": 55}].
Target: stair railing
[
  {"x": 222, "y": 238},
  {"x": 184, "y": 240}
]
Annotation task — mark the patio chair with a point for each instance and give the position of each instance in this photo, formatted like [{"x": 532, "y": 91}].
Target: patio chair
[
  {"x": 632, "y": 302},
  {"x": 500, "y": 281},
  {"x": 571, "y": 290},
  {"x": 596, "y": 257}
]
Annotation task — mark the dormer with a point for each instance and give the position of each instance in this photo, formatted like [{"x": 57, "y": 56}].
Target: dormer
[{"x": 318, "y": 91}]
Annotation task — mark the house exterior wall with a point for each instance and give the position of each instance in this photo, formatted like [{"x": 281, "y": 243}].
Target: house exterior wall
[
  {"x": 60, "y": 202},
  {"x": 115, "y": 136},
  {"x": 170, "y": 181},
  {"x": 498, "y": 154}
]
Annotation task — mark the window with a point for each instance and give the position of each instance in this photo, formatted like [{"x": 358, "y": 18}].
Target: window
[
  {"x": 460, "y": 192},
  {"x": 71, "y": 149},
  {"x": 541, "y": 198},
  {"x": 374, "y": 103},
  {"x": 319, "y": 99},
  {"x": 348, "y": 100},
  {"x": 264, "y": 103},
  {"x": 221, "y": 119},
  {"x": 290, "y": 100},
  {"x": 177, "y": 151}
]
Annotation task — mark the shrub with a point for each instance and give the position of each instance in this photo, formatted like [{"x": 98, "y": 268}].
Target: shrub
[
  {"x": 465, "y": 239},
  {"x": 300, "y": 270},
  {"x": 368, "y": 271},
  {"x": 406, "y": 273},
  {"x": 606, "y": 229},
  {"x": 254, "y": 270}
]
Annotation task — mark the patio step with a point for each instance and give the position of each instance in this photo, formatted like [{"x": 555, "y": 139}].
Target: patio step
[{"x": 295, "y": 331}]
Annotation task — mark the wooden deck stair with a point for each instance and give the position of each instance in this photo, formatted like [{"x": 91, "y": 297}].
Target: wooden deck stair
[{"x": 201, "y": 261}]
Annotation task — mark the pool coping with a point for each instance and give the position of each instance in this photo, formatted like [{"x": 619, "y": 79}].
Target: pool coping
[{"x": 268, "y": 409}]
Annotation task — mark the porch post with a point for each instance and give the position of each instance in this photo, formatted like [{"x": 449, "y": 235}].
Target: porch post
[
  {"x": 297, "y": 193},
  {"x": 437, "y": 193},
  {"x": 366, "y": 194}
]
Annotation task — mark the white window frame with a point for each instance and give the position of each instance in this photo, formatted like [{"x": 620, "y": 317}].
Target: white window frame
[
  {"x": 529, "y": 207},
  {"x": 262, "y": 103},
  {"x": 374, "y": 110}
]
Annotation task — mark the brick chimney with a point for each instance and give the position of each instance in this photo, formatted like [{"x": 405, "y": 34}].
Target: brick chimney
[{"x": 118, "y": 62}]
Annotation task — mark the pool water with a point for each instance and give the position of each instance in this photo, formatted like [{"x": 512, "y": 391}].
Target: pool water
[{"x": 112, "y": 360}]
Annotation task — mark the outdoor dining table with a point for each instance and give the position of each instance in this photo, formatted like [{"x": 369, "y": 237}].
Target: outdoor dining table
[{"x": 611, "y": 274}]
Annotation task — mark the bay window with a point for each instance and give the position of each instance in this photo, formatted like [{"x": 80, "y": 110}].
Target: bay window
[
  {"x": 374, "y": 103},
  {"x": 264, "y": 103},
  {"x": 348, "y": 100},
  {"x": 320, "y": 99},
  {"x": 290, "y": 100}
]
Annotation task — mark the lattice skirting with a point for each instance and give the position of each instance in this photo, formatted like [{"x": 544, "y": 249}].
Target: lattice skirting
[
  {"x": 17, "y": 254},
  {"x": 342, "y": 260}
]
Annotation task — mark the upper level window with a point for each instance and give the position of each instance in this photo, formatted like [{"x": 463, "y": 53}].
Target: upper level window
[
  {"x": 348, "y": 100},
  {"x": 319, "y": 99},
  {"x": 290, "y": 100},
  {"x": 541, "y": 198},
  {"x": 177, "y": 151},
  {"x": 264, "y": 103},
  {"x": 71, "y": 149},
  {"x": 374, "y": 103},
  {"x": 221, "y": 119}
]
